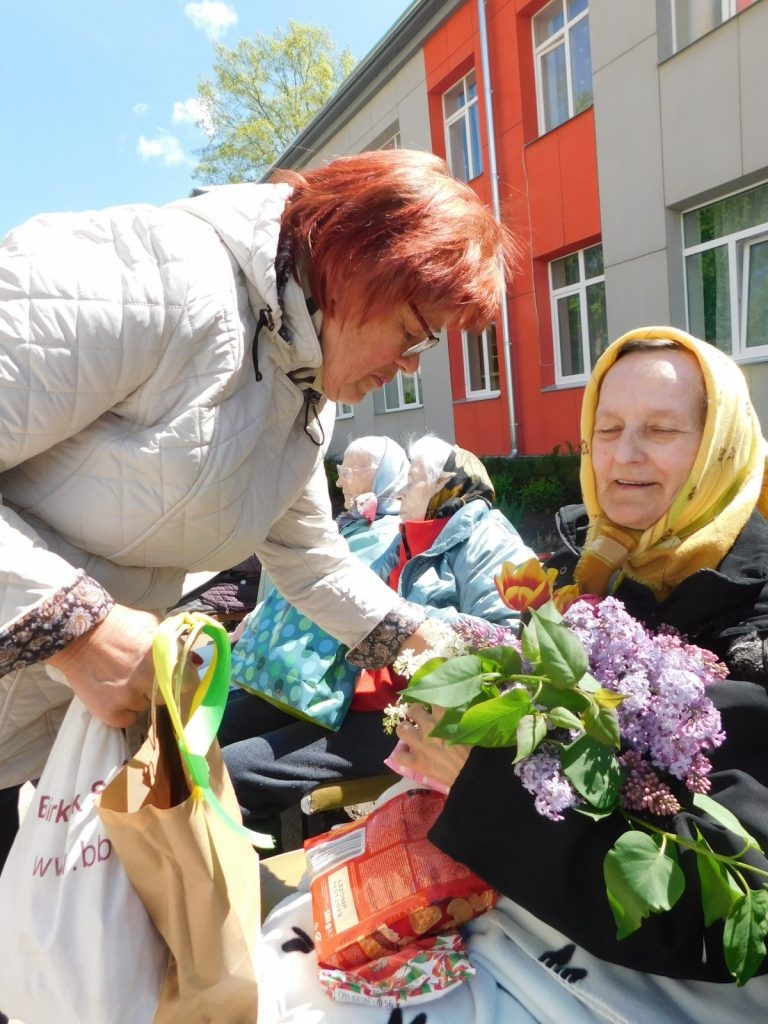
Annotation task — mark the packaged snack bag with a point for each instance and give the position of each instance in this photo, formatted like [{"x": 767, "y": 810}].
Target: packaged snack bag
[{"x": 378, "y": 884}]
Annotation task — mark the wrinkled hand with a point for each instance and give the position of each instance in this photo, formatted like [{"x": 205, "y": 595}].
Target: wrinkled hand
[
  {"x": 110, "y": 667},
  {"x": 425, "y": 756}
]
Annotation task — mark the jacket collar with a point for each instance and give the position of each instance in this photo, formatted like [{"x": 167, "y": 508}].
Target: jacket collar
[{"x": 247, "y": 219}]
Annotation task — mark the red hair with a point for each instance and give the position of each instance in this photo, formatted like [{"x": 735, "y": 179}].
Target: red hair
[{"x": 384, "y": 228}]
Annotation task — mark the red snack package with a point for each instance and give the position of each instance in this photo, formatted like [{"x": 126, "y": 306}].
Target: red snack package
[{"x": 378, "y": 884}]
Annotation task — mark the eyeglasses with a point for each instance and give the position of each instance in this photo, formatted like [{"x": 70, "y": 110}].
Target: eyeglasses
[
  {"x": 347, "y": 472},
  {"x": 429, "y": 342}
]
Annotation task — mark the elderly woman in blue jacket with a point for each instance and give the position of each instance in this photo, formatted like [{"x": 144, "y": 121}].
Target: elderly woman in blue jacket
[{"x": 450, "y": 544}]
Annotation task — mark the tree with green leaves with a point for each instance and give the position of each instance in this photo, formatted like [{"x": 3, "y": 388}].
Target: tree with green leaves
[{"x": 262, "y": 93}]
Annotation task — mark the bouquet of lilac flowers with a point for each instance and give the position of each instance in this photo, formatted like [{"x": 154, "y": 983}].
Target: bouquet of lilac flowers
[{"x": 605, "y": 717}]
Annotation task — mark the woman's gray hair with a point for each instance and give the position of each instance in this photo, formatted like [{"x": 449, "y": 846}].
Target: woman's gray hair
[
  {"x": 432, "y": 452},
  {"x": 648, "y": 345}
]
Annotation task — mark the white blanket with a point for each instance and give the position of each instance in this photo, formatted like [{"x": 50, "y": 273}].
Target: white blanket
[{"x": 526, "y": 973}]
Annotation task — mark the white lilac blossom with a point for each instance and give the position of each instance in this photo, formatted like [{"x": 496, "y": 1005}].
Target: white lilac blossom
[{"x": 441, "y": 642}]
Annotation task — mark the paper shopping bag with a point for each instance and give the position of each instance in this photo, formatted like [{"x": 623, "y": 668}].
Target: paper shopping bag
[
  {"x": 173, "y": 818},
  {"x": 76, "y": 943}
]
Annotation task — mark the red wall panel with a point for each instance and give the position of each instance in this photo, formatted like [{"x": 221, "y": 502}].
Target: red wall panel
[{"x": 549, "y": 198}]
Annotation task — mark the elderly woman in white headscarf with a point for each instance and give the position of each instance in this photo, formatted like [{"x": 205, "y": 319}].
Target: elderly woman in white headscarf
[{"x": 273, "y": 756}]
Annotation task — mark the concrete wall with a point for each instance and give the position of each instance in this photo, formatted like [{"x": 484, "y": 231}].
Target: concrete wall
[{"x": 670, "y": 134}]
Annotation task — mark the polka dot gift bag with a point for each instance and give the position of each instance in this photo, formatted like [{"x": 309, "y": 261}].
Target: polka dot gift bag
[{"x": 285, "y": 658}]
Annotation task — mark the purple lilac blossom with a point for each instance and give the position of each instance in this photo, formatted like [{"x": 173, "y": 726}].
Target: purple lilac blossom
[
  {"x": 644, "y": 790},
  {"x": 477, "y": 633},
  {"x": 541, "y": 776},
  {"x": 667, "y": 715}
]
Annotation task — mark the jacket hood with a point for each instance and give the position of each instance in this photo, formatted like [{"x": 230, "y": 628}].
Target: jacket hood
[{"x": 247, "y": 219}]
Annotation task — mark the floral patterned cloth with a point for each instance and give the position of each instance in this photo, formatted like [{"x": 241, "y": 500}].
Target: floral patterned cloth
[
  {"x": 424, "y": 970},
  {"x": 51, "y": 625}
]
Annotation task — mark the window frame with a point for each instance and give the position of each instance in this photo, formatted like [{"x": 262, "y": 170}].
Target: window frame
[
  {"x": 344, "y": 411},
  {"x": 380, "y": 399},
  {"x": 563, "y": 292},
  {"x": 488, "y": 338},
  {"x": 749, "y": 351},
  {"x": 737, "y": 245},
  {"x": 728, "y": 9},
  {"x": 561, "y": 37},
  {"x": 469, "y": 114}
]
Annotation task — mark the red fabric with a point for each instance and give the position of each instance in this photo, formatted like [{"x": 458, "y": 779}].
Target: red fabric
[{"x": 376, "y": 688}]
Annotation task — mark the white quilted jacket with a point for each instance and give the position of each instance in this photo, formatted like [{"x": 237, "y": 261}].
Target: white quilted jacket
[{"x": 135, "y": 440}]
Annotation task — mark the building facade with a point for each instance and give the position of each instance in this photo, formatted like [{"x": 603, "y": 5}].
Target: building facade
[{"x": 626, "y": 144}]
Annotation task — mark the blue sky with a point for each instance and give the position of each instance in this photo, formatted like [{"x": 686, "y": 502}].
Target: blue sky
[{"x": 96, "y": 92}]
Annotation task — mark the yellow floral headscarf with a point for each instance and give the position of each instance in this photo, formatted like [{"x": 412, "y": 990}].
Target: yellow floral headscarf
[
  {"x": 727, "y": 481},
  {"x": 466, "y": 479}
]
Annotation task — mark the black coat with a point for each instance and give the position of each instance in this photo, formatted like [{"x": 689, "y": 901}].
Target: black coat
[{"x": 554, "y": 869}]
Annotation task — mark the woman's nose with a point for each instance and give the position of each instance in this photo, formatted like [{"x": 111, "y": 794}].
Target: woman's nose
[
  {"x": 408, "y": 364},
  {"x": 629, "y": 447}
]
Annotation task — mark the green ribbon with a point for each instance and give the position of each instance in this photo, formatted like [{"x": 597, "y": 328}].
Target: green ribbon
[{"x": 171, "y": 648}]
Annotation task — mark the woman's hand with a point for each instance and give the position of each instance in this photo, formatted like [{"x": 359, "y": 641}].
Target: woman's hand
[
  {"x": 423, "y": 756},
  {"x": 110, "y": 667}
]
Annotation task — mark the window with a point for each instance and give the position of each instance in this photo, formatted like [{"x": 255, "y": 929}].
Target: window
[
  {"x": 462, "y": 129},
  {"x": 481, "y": 363},
  {"x": 563, "y": 61},
  {"x": 402, "y": 392},
  {"x": 692, "y": 19},
  {"x": 726, "y": 272},
  {"x": 344, "y": 411},
  {"x": 392, "y": 141},
  {"x": 579, "y": 319}
]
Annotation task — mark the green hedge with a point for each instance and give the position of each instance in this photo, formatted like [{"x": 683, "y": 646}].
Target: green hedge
[{"x": 531, "y": 488}]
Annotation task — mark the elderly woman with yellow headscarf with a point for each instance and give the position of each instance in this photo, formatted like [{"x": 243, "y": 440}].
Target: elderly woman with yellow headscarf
[{"x": 673, "y": 525}]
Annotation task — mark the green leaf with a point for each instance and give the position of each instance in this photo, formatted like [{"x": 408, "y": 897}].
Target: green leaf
[
  {"x": 563, "y": 657},
  {"x": 426, "y": 668},
  {"x": 529, "y": 643},
  {"x": 549, "y": 612},
  {"x": 505, "y": 660},
  {"x": 724, "y": 817},
  {"x": 608, "y": 698},
  {"x": 550, "y": 697},
  {"x": 640, "y": 878},
  {"x": 717, "y": 892},
  {"x": 493, "y": 723},
  {"x": 455, "y": 683},
  {"x": 592, "y": 812},
  {"x": 588, "y": 683},
  {"x": 746, "y": 927},
  {"x": 562, "y": 718},
  {"x": 531, "y": 730},
  {"x": 593, "y": 771},
  {"x": 602, "y": 724},
  {"x": 448, "y": 725}
]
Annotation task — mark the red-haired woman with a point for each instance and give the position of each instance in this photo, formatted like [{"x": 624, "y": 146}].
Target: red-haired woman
[{"x": 167, "y": 386}]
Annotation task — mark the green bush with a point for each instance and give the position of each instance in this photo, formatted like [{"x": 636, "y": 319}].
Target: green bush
[{"x": 531, "y": 488}]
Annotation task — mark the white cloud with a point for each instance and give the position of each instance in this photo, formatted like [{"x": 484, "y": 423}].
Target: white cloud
[
  {"x": 192, "y": 111},
  {"x": 140, "y": 109},
  {"x": 212, "y": 16},
  {"x": 166, "y": 148}
]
